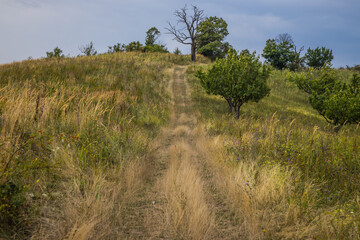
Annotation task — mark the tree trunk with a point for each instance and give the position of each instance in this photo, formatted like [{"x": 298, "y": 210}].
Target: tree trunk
[
  {"x": 237, "y": 110},
  {"x": 230, "y": 105},
  {"x": 193, "y": 52}
]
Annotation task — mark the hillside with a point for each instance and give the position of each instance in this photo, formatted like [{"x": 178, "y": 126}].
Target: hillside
[{"x": 129, "y": 146}]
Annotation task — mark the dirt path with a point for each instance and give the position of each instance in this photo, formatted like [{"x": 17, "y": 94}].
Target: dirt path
[{"x": 180, "y": 200}]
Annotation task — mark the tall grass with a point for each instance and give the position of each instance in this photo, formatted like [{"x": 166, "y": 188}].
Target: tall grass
[
  {"x": 284, "y": 170},
  {"x": 74, "y": 138}
]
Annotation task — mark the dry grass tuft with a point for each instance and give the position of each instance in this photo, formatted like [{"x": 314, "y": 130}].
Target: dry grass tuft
[{"x": 187, "y": 213}]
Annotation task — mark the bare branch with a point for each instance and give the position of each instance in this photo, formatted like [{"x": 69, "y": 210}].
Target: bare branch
[
  {"x": 191, "y": 23},
  {"x": 284, "y": 37}
]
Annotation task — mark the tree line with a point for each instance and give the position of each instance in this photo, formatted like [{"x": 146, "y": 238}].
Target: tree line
[
  {"x": 150, "y": 46},
  {"x": 241, "y": 77}
]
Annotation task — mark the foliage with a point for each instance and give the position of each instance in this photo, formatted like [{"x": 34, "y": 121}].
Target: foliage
[
  {"x": 56, "y": 53},
  {"x": 318, "y": 57},
  {"x": 177, "y": 51},
  {"x": 116, "y": 48},
  {"x": 238, "y": 79},
  {"x": 211, "y": 33},
  {"x": 336, "y": 101},
  {"x": 285, "y": 132},
  {"x": 134, "y": 46},
  {"x": 151, "y": 36},
  {"x": 88, "y": 50},
  {"x": 279, "y": 55},
  {"x": 355, "y": 68},
  {"x": 71, "y": 121}
]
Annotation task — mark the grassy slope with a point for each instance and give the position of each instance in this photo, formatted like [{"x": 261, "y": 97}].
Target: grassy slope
[
  {"x": 74, "y": 139},
  {"x": 283, "y": 169}
]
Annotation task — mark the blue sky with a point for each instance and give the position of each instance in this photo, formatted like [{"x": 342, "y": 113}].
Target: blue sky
[{"x": 32, "y": 27}]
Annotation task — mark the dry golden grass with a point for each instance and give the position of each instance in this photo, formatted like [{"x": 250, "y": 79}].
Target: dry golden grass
[
  {"x": 187, "y": 213},
  {"x": 74, "y": 138},
  {"x": 262, "y": 196}
]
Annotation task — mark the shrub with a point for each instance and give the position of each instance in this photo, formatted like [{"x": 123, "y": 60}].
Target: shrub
[
  {"x": 238, "y": 79},
  {"x": 116, "y": 48},
  {"x": 177, "y": 51},
  {"x": 56, "y": 53},
  {"x": 134, "y": 46},
  {"x": 318, "y": 57},
  {"x": 337, "y": 102},
  {"x": 88, "y": 49}
]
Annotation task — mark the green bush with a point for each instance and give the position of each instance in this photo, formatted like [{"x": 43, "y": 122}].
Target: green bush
[
  {"x": 56, "y": 53},
  {"x": 336, "y": 101},
  {"x": 134, "y": 46},
  {"x": 318, "y": 57},
  {"x": 116, "y": 48},
  {"x": 88, "y": 50},
  {"x": 238, "y": 79}
]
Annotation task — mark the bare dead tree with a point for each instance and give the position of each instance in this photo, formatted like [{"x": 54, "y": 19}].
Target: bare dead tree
[
  {"x": 188, "y": 34},
  {"x": 287, "y": 38},
  {"x": 284, "y": 37}
]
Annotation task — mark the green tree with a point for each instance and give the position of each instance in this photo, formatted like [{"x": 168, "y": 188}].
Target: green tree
[
  {"x": 88, "y": 49},
  {"x": 151, "y": 36},
  {"x": 279, "y": 55},
  {"x": 336, "y": 101},
  {"x": 238, "y": 79},
  {"x": 177, "y": 51},
  {"x": 212, "y": 32},
  {"x": 318, "y": 57},
  {"x": 134, "y": 46},
  {"x": 116, "y": 48},
  {"x": 57, "y": 53}
]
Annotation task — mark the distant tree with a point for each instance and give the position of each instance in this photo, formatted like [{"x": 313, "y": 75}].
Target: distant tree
[
  {"x": 88, "y": 49},
  {"x": 318, "y": 57},
  {"x": 284, "y": 37},
  {"x": 57, "y": 53},
  {"x": 134, "y": 46},
  {"x": 238, "y": 79},
  {"x": 336, "y": 101},
  {"x": 212, "y": 32},
  {"x": 177, "y": 51},
  {"x": 191, "y": 24},
  {"x": 151, "y": 36},
  {"x": 150, "y": 42},
  {"x": 282, "y": 53},
  {"x": 116, "y": 48}
]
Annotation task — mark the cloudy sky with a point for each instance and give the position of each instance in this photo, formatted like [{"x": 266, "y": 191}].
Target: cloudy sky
[{"x": 33, "y": 27}]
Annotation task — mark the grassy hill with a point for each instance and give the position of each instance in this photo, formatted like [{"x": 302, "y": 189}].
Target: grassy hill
[
  {"x": 85, "y": 154},
  {"x": 286, "y": 172},
  {"x": 74, "y": 133}
]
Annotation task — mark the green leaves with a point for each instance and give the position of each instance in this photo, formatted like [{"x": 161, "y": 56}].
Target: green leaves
[
  {"x": 238, "y": 79},
  {"x": 337, "y": 102},
  {"x": 56, "y": 53},
  {"x": 151, "y": 36},
  {"x": 211, "y": 33},
  {"x": 318, "y": 57},
  {"x": 280, "y": 55}
]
